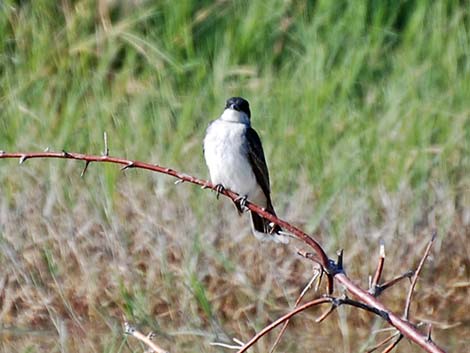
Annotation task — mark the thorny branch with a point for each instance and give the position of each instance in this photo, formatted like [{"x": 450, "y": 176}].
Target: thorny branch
[
  {"x": 333, "y": 270},
  {"x": 375, "y": 288},
  {"x": 334, "y": 301}
]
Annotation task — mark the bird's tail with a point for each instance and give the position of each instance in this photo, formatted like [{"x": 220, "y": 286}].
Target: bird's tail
[{"x": 263, "y": 229}]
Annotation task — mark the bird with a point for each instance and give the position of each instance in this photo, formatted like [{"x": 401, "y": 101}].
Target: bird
[{"x": 235, "y": 158}]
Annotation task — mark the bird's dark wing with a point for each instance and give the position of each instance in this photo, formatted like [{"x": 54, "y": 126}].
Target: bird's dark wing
[{"x": 257, "y": 161}]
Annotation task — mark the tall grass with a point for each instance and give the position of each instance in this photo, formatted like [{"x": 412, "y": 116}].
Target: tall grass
[{"x": 363, "y": 109}]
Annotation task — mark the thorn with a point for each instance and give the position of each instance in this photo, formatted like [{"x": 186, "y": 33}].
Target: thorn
[
  {"x": 106, "y": 148},
  {"x": 23, "y": 158},
  {"x": 2, "y": 152},
  {"x": 46, "y": 149},
  {"x": 340, "y": 259},
  {"x": 374, "y": 286},
  {"x": 226, "y": 345},
  {"x": 236, "y": 340},
  {"x": 382, "y": 249},
  {"x": 66, "y": 154},
  {"x": 84, "y": 169},
  {"x": 179, "y": 181},
  {"x": 428, "y": 336},
  {"x": 128, "y": 166}
]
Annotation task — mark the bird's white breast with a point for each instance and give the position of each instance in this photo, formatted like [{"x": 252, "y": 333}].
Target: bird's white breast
[{"x": 226, "y": 157}]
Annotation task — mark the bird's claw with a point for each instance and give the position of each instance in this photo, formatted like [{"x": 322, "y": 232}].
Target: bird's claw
[
  {"x": 272, "y": 227},
  {"x": 240, "y": 202},
  {"x": 219, "y": 188}
]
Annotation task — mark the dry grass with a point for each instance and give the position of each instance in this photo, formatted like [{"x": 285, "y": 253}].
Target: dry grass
[{"x": 74, "y": 262}]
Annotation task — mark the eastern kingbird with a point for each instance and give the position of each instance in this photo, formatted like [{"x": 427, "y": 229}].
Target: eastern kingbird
[{"x": 235, "y": 158}]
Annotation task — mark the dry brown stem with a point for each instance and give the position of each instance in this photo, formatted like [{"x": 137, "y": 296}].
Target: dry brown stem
[
  {"x": 416, "y": 274},
  {"x": 333, "y": 269}
]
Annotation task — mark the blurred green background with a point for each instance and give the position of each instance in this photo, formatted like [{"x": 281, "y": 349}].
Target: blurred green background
[{"x": 364, "y": 112}]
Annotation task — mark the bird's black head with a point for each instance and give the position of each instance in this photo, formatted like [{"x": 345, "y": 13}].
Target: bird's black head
[{"x": 239, "y": 104}]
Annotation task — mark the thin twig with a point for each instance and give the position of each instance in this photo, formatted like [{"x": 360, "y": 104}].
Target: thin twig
[
  {"x": 334, "y": 268},
  {"x": 406, "y": 328},
  {"x": 106, "y": 148},
  {"x": 131, "y": 330},
  {"x": 378, "y": 272},
  {"x": 393, "y": 281},
  {"x": 393, "y": 344},
  {"x": 406, "y": 315},
  {"x": 316, "y": 275},
  {"x": 236, "y": 346},
  {"x": 326, "y": 314},
  {"x": 282, "y": 319},
  {"x": 381, "y": 343}
]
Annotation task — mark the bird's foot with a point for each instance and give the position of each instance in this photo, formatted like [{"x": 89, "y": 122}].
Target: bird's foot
[
  {"x": 240, "y": 203},
  {"x": 219, "y": 188}
]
